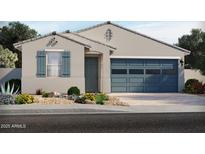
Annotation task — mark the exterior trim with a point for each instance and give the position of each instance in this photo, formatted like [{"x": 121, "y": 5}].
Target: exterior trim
[
  {"x": 16, "y": 45},
  {"x": 132, "y": 31},
  {"x": 142, "y": 57},
  {"x": 94, "y": 41}
]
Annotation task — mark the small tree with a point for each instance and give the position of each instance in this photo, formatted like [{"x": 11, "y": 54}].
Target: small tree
[{"x": 7, "y": 58}]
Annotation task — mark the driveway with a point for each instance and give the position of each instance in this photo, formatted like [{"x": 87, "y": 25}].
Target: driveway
[{"x": 156, "y": 99}]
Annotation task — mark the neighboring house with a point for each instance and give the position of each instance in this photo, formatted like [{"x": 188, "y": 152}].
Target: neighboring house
[{"x": 106, "y": 58}]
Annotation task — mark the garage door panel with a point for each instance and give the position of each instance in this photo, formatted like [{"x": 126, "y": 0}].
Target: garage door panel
[
  {"x": 119, "y": 89},
  {"x": 152, "y": 79},
  {"x": 168, "y": 79},
  {"x": 119, "y": 84},
  {"x": 135, "y": 84},
  {"x": 168, "y": 89},
  {"x": 150, "y": 88},
  {"x": 136, "y": 89},
  {"x": 119, "y": 80},
  {"x": 136, "y": 79}
]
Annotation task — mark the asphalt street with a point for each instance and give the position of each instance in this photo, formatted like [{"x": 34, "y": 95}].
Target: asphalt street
[{"x": 105, "y": 123}]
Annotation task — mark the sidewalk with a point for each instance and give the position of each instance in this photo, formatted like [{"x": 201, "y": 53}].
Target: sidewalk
[{"x": 37, "y": 109}]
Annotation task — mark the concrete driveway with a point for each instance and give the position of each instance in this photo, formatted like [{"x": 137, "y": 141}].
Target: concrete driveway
[{"x": 155, "y": 99}]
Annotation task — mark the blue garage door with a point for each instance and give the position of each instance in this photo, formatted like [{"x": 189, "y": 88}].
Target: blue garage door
[{"x": 144, "y": 75}]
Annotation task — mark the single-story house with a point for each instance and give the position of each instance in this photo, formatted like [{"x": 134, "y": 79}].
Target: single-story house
[{"x": 103, "y": 58}]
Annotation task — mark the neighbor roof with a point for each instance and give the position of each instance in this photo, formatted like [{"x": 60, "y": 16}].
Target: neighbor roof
[{"x": 132, "y": 31}]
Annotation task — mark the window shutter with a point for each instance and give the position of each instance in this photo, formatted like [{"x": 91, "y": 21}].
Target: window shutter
[
  {"x": 41, "y": 64},
  {"x": 65, "y": 69}
]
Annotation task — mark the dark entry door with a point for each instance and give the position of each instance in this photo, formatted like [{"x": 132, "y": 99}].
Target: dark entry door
[{"x": 91, "y": 74}]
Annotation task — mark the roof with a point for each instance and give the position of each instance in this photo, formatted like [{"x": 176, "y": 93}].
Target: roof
[
  {"x": 137, "y": 33},
  {"x": 50, "y": 34},
  {"x": 84, "y": 39},
  {"x": 69, "y": 36}
]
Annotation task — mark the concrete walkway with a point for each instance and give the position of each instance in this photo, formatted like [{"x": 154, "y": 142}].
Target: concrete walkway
[{"x": 160, "y": 99}]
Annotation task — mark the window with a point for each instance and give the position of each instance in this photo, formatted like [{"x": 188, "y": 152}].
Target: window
[
  {"x": 54, "y": 62},
  {"x": 119, "y": 71},
  {"x": 136, "y": 71},
  {"x": 153, "y": 71},
  {"x": 169, "y": 71}
]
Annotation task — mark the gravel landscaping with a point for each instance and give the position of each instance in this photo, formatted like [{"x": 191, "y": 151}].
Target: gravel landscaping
[{"x": 38, "y": 99}]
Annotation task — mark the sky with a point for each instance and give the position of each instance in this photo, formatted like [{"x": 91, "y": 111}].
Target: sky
[{"x": 167, "y": 31}]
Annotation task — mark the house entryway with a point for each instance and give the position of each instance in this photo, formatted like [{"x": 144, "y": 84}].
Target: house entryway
[{"x": 91, "y": 74}]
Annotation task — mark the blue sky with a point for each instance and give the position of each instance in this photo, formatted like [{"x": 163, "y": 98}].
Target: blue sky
[{"x": 165, "y": 30}]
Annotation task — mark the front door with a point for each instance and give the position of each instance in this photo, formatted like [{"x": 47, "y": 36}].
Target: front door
[{"x": 91, "y": 74}]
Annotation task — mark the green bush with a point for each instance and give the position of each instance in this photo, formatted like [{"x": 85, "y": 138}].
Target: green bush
[
  {"x": 90, "y": 96},
  {"x": 73, "y": 91},
  {"x": 100, "y": 98},
  {"x": 24, "y": 99},
  {"x": 193, "y": 86},
  {"x": 45, "y": 94}
]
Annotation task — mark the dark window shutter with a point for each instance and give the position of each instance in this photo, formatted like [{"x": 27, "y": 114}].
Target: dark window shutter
[
  {"x": 65, "y": 69},
  {"x": 41, "y": 64}
]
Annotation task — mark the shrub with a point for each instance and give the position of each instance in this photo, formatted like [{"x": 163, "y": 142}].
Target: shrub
[
  {"x": 39, "y": 92},
  {"x": 90, "y": 96},
  {"x": 45, "y": 94},
  {"x": 193, "y": 86},
  {"x": 190, "y": 82},
  {"x": 73, "y": 90},
  {"x": 16, "y": 83},
  {"x": 80, "y": 99},
  {"x": 24, "y": 99},
  {"x": 100, "y": 98}
]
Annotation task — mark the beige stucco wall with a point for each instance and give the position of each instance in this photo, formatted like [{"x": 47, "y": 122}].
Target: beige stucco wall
[
  {"x": 29, "y": 80},
  {"x": 194, "y": 74},
  {"x": 130, "y": 44}
]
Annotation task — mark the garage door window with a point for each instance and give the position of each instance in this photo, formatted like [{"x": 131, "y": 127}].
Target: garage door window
[
  {"x": 169, "y": 72},
  {"x": 136, "y": 71},
  {"x": 119, "y": 71},
  {"x": 153, "y": 71}
]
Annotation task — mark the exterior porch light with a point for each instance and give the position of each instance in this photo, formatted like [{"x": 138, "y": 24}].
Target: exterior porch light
[{"x": 181, "y": 62}]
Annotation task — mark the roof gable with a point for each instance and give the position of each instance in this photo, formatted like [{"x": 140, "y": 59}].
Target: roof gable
[{"x": 137, "y": 33}]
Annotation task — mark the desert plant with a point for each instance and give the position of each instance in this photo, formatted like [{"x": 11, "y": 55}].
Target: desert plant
[
  {"x": 100, "y": 98},
  {"x": 39, "y": 92},
  {"x": 24, "y": 99},
  {"x": 7, "y": 90},
  {"x": 16, "y": 82},
  {"x": 45, "y": 94},
  {"x": 73, "y": 90},
  {"x": 90, "y": 96}
]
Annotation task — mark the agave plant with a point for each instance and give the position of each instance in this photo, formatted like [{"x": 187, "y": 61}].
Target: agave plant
[{"x": 8, "y": 90}]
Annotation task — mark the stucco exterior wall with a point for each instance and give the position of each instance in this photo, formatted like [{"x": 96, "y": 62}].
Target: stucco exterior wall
[
  {"x": 194, "y": 74},
  {"x": 30, "y": 82},
  {"x": 7, "y": 74},
  {"x": 129, "y": 44}
]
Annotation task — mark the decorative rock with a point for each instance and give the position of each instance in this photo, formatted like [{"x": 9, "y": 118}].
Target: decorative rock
[
  {"x": 7, "y": 99},
  {"x": 87, "y": 101}
]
